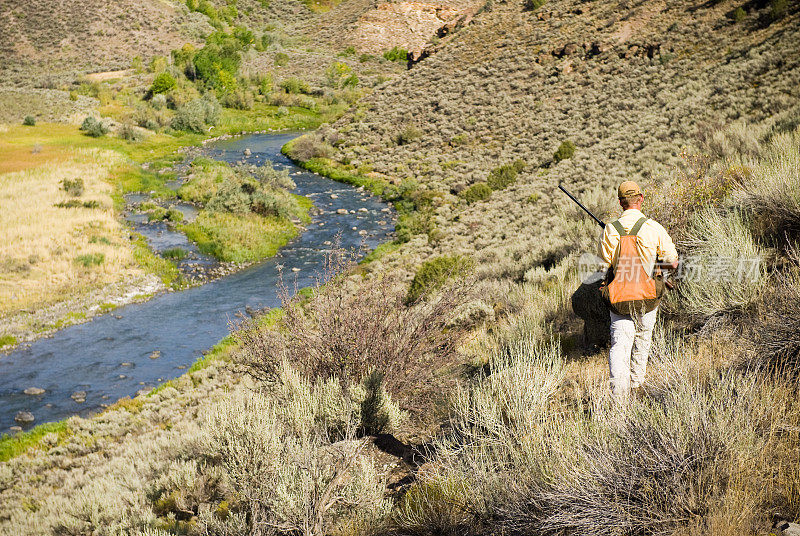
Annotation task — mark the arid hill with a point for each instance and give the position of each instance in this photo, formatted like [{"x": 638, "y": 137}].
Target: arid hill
[
  {"x": 631, "y": 85},
  {"x": 42, "y": 41}
]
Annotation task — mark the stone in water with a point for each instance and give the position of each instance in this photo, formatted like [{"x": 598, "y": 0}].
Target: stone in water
[{"x": 24, "y": 417}]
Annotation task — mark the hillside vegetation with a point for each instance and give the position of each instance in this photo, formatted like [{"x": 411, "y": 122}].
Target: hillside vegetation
[
  {"x": 49, "y": 42},
  {"x": 445, "y": 386}
]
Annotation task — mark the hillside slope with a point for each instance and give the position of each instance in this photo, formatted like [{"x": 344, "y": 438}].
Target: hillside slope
[
  {"x": 44, "y": 42},
  {"x": 630, "y": 83}
]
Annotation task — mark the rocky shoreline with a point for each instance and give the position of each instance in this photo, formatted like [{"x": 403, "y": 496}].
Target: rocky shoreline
[{"x": 29, "y": 325}]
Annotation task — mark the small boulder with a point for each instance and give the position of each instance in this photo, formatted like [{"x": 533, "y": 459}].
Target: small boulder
[
  {"x": 79, "y": 396},
  {"x": 15, "y": 429},
  {"x": 334, "y": 196},
  {"x": 33, "y": 391},
  {"x": 156, "y": 354},
  {"x": 342, "y": 211},
  {"x": 24, "y": 417},
  {"x": 247, "y": 152}
]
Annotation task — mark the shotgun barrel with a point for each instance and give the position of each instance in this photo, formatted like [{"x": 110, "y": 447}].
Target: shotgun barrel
[{"x": 589, "y": 212}]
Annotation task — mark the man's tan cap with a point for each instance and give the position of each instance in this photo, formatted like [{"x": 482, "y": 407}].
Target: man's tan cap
[{"x": 629, "y": 189}]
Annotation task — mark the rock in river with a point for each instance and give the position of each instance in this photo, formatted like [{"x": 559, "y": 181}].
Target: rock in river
[
  {"x": 24, "y": 417},
  {"x": 156, "y": 354},
  {"x": 79, "y": 396},
  {"x": 33, "y": 391}
]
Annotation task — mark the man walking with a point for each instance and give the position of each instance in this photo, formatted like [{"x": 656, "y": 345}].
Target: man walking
[{"x": 631, "y": 246}]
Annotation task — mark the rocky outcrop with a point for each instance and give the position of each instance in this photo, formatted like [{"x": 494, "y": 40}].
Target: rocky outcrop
[{"x": 409, "y": 25}]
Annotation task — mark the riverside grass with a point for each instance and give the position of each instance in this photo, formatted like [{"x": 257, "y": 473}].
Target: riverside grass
[
  {"x": 33, "y": 161},
  {"x": 243, "y": 237},
  {"x": 42, "y": 242}
]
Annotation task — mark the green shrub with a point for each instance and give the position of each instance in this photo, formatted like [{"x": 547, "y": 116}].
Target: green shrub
[
  {"x": 564, "y": 151},
  {"x": 94, "y": 128},
  {"x": 240, "y": 99},
  {"x": 182, "y": 57},
  {"x": 158, "y": 64},
  {"x": 407, "y": 135},
  {"x": 180, "y": 95},
  {"x": 532, "y": 5},
  {"x": 137, "y": 65},
  {"x": 195, "y": 115},
  {"x": 477, "y": 192},
  {"x": 174, "y": 215},
  {"x": 129, "y": 132},
  {"x": 724, "y": 268},
  {"x": 281, "y": 59},
  {"x": 295, "y": 86},
  {"x": 266, "y": 84},
  {"x": 90, "y": 259},
  {"x": 739, "y": 14},
  {"x": 75, "y": 203},
  {"x": 7, "y": 340},
  {"x": 29, "y": 121},
  {"x": 162, "y": 83},
  {"x": 676, "y": 452},
  {"x": 415, "y": 223},
  {"x": 770, "y": 187},
  {"x": 458, "y": 140},
  {"x": 434, "y": 508},
  {"x": 434, "y": 273},
  {"x": 374, "y": 417},
  {"x": 396, "y": 54},
  {"x": 175, "y": 254},
  {"x": 74, "y": 188},
  {"x": 665, "y": 58},
  {"x": 337, "y": 74},
  {"x": 157, "y": 214},
  {"x": 778, "y": 8},
  {"x": 502, "y": 177},
  {"x": 307, "y": 147},
  {"x": 218, "y": 62}
]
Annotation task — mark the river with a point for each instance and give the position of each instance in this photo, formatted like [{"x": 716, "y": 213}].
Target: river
[{"x": 111, "y": 356}]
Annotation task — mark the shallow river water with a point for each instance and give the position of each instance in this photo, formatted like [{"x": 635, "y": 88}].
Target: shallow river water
[{"x": 110, "y": 356}]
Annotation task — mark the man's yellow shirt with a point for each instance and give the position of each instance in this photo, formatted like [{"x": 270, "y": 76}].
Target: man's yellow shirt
[{"x": 653, "y": 240}]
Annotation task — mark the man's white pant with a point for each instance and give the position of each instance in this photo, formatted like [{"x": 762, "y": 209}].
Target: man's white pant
[{"x": 630, "y": 347}]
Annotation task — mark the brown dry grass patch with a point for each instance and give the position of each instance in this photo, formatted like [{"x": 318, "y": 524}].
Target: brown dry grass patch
[{"x": 41, "y": 242}]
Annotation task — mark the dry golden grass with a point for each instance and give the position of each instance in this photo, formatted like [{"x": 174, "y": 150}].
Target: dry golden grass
[{"x": 39, "y": 242}]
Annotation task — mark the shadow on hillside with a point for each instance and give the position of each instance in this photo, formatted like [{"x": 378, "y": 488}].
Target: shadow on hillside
[{"x": 413, "y": 456}]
